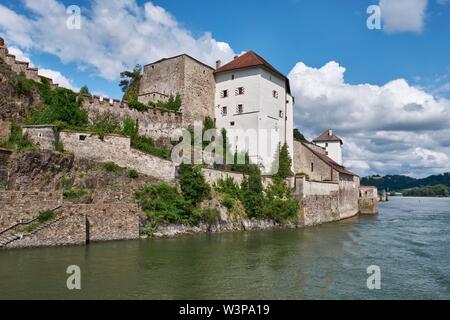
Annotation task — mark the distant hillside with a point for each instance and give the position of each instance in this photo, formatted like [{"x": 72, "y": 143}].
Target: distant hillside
[
  {"x": 399, "y": 183},
  {"x": 433, "y": 191}
]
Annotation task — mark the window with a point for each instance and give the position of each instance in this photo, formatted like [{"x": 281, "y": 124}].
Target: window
[
  {"x": 232, "y": 77},
  {"x": 281, "y": 114},
  {"x": 224, "y": 111},
  {"x": 240, "y": 91},
  {"x": 240, "y": 108},
  {"x": 326, "y": 144},
  {"x": 312, "y": 166},
  {"x": 82, "y": 138},
  {"x": 232, "y": 123},
  {"x": 275, "y": 94},
  {"x": 224, "y": 94}
]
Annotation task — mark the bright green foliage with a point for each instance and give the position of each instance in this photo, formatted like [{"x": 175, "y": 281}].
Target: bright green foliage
[
  {"x": 229, "y": 187},
  {"x": 139, "y": 106},
  {"x": 209, "y": 216},
  {"x": 279, "y": 204},
  {"x": 45, "y": 216},
  {"x": 84, "y": 91},
  {"x": 439, "y": 190},
  {"x": 17, "y": 141},
  {"x": 193, "y": 184},
  {"x": 284, "y": 163},
  {"x": 24, "y": 86},
  {"x": 61, "y": 107},
  {"x": 163, "y": 203},
  {"x": 298, "y": 136},
  {"x": 130, "y": 83},
  {"x": 105, "y": 123},
  {"x": 172, "y": 104},
  {"x": 252, "y": 193},
  {"x": 130, "y": 127},
  {"x": 75, "y": 194}
]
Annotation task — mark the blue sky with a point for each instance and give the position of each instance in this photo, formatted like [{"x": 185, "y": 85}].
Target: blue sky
[{"x": 402, "y": 70}]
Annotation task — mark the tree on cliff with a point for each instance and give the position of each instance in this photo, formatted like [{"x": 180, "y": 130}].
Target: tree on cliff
[
  {"x": 130, "y": 83},
  {"x": 284, "y": 163}
]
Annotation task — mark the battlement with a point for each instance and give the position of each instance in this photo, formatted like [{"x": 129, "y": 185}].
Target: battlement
[
  {"x": 22, "y": 66},
  {"x": 154, "y": 123}
]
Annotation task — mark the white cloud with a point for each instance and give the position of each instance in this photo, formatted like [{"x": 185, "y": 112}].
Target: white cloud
[
  {"x": 403, "y": 15},
  {"x": 58, "y": 78},
  {"x": 394, "y": 128},
  {"x": 115, "y": 35}
]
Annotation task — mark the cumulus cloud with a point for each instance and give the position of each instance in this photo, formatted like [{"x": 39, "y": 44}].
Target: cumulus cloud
[
  {"x": 403, "y": 15},
  {"x": 393, "y": 128},
  {"x": 114, "y": 36}
]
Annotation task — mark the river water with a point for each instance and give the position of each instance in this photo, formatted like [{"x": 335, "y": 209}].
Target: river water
[{"x": 409, "y": 241}]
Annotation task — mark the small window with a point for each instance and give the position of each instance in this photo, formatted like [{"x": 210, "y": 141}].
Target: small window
[
  {"x": 224, "y": 111},
  {"x": 275, "y": 94},
  {"x": 82, "y": 138},
  {"x": 281, "y": 114},
  {"x": 240, "y": 91},
  {"x": 232, "y": 77},
  {"x": 232, "y": 123},
  {"x": 312, "y": 166},
  {"x": 224, "y": 94},
  {"x": 240, "y": 108}
]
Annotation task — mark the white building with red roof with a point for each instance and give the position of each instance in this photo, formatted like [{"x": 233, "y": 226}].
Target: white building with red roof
[
  {"x": 254, "y": 104},
  {"x": 332, "y": 144}
]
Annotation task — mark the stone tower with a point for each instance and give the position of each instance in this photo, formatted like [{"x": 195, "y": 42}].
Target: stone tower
[{"x": 332, "y": 144}]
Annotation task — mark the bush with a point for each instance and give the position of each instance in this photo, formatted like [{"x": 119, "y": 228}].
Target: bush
[
  {"x": 193, "y": 185},
  {"x": 228, "y": 187},
  {"x": 17, "y": 141},
  {"x": 252, "y": 194},
  {"x": 134, "y": 104},
  {"x": 80, "y": 195},
  {"x": 208, "y": 216},
  {"x": 112, "y": 167},
  {"x": 59, "y": 147},
  {"x": 66, "y": 182},
  {"x": 147, "y": 145},
  {"x": 163, "y": 203},
  {"x": 279, "y": 204},
  {"x": 173, "y": 104},
  {"x": 133, "y": 174},
  {"x": 105, "y": 123},
  {"x": 3, "y": 184},
  {"x": 45, "y": 216},
  {"x": 130, "y": 127}
]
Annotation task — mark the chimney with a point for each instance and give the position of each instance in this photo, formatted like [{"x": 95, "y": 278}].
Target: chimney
[
  {"x": 218, "y": 64},
  {"x": 330, "y": 132}
]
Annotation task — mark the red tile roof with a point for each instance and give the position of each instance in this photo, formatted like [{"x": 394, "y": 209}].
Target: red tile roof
[
  {"x": 251, "y": 59},
  {"x": 326, "y": 137}
]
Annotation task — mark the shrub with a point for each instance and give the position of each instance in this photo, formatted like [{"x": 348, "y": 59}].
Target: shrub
[
  {"x": 105, "y": 123},
  {"x": 208, "y": 216},
  {"x": 147, "y": 145},
  {"x": 17, "y": 140},
  {"x": 111, "y": 167},
  {"x": 193, "y": 185},
  {"x": 80, "y": 195},
  {"x": 130, "y": 127},
  {"x": 279, "y": 204},
  {"x": 228, "y": 187},
  {"x": 252, "y": 194},
  {"x": 133, "y": 174},
  {"x": 139, "y": 106},
  {"x": 3, "y": 184},
  {"x": 59, "y": 147},
  {"x": 163, "y": 203},
  {"x": 173, "y": 104},
  {"x": 228, "y": 202},
  {"x": 66, "y": 182},
  {"x": 45, "y": 216}
]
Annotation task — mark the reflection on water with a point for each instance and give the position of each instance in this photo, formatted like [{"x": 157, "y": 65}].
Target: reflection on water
[{"x": 409, "y": 240}]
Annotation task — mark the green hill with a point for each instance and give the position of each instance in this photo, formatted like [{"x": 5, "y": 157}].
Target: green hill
[{"x": 397, "y": 183}]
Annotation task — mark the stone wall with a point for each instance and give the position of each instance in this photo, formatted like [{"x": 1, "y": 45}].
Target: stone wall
[
  {"x": 5, "y": 154},
  {"x": 183, "y": 75},
  {"x": 155, "y": 123},
  {"x": 117, "y": 149},
  {"x": 308, "y": 188},
  {"x": 348, "y": 196},
  {"x": 5, "y": 129},
  {"x": 303, "y": 158},
  {"x": 368, "y": 200},
  {"x": 17, "y": 206},
  {"x": 319, "y": 209},
  {"x": 45, "y": 137},
  {"x": 20, "y": 66},
  {"x": 212, "y": 176},
  {"x": 69, "y": 230}
]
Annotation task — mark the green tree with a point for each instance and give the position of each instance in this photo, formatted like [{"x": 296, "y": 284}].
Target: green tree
[
  {"x": 130, "y": 83},
  {"x": 284, "y": 163},
  {"x": 253, "y": 193},
  {"x": 279, "y": 203},
  {"x": 298, "y": 135},
  {"x": 193, "y": 184}
]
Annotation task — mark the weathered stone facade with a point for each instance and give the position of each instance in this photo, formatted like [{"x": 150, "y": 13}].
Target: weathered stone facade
[
  {"x": 45, "y": 137},
  {"x": 26, "y": 205},
  {"x": 155, "y": 123},
  {"x": 5, "y": 154},
  {"x": 306, "y": 162},
  {"x": 368, "y": 201},
  {"x": 5, "y": 129},
  {"x": 117, "y": 149},
  {"x": 183, "y": 75}
]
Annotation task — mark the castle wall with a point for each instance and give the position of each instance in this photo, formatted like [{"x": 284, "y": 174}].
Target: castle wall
[
  {"x": 155, "y": 124},
  {"x": 182, "y": 75},
  {"x": 118, "y": 150},
  {"x": 303, "y": 158},
  {"x": 45, "y": 137},
  {"x": 348, "y": 196}
]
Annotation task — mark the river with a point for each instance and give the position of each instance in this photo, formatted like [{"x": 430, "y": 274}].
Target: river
[{"x": 409, "y": 241}]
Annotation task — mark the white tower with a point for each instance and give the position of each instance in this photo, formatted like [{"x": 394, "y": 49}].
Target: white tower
[{"x": 332, "y": 144}]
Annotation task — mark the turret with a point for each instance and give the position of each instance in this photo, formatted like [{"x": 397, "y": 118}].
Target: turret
[{"x": 332, "y": 144}]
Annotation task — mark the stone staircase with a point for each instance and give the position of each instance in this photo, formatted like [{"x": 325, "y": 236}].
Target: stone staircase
[{"x": 11, "y": 234}]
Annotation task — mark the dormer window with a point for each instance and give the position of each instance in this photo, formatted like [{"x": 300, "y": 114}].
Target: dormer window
[
  {"x": 224, "y": 94},
  {"x": 275, "y": 94},
  {"x": 240, "y": 91},
  {"x": 240, "y": 109}
]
